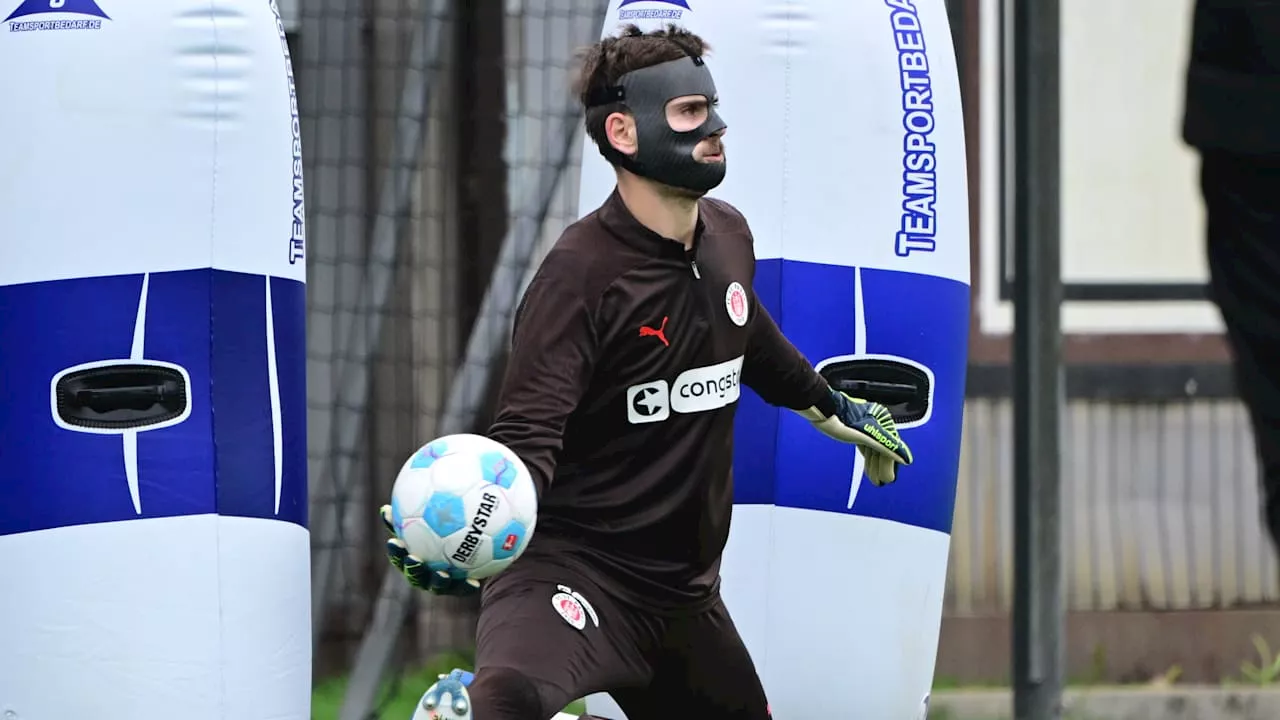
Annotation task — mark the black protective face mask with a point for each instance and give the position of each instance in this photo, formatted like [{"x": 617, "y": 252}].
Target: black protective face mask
[{"x": 666, "y": 156}]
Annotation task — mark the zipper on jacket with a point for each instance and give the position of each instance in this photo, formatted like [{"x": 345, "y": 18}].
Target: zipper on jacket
[{"x": 692, "y": 256}]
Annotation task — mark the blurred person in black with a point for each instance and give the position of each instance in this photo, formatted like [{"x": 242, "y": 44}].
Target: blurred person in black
[{"x": 1232, "y": 117}]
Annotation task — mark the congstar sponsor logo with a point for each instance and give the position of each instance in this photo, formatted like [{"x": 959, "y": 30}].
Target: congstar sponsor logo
[{"x": 695, "y": 390}]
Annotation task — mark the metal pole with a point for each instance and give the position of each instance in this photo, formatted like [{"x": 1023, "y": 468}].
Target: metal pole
[{"x": 1037, "y": 364}]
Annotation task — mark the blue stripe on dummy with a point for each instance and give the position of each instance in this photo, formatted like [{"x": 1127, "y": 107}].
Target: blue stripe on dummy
[
  {"x": 243, "y": 431},
  {"x": 242, "y": 411},
  {"x": 921, "y": 317},
  {"x": 175, "y": 464},
  {"x": 51, "y": 477},
  {"x": 289, "y": 307}
]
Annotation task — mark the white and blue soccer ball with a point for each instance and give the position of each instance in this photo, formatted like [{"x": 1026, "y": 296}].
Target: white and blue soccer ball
[{"x": 466, "y": 505}]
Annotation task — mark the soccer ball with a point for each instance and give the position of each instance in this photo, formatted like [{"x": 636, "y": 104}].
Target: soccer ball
[{"x": 465, "y": 505}]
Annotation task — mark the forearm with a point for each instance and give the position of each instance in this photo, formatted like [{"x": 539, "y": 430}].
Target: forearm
[
  {"x": 535, "y": 441},
  {"x": 778, "y": 372},
  {"x": 797, "y": 387}
]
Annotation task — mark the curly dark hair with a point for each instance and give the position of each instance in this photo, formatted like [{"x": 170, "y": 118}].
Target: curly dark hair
[{"x": 600, "y": 65}]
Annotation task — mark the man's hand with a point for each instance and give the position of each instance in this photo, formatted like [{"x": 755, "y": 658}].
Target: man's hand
[
  {"x": 870, "y": 426},
  {"x": 441, "y": 579}
]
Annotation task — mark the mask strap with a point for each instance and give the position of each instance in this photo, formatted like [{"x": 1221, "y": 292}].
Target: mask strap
[
  {"x": 606, "y": 96},
  {"x": 611, "y": 94}
]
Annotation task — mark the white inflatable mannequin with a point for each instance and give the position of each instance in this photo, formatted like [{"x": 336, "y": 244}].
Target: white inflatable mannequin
[
  {"x": 153, "y": 542},
  {"x": 846, "y": 153}
]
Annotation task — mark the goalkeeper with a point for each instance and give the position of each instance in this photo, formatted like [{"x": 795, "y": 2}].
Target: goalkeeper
[{"x": 629, "y": 351}]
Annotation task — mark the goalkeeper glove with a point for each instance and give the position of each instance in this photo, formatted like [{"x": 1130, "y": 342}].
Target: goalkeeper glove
[
  {"x": 439, "y": 578},
  {"x": 868, "y": 425}
]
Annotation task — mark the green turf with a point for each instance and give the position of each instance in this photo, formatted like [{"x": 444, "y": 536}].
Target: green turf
[{"x": 397, "y": 699}]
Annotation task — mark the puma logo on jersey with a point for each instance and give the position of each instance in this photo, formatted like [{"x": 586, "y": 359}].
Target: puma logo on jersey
[{"x": 660, "y": 332}]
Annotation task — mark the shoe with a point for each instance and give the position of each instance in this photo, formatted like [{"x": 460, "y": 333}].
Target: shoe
[{"x": 447, "y": 699}]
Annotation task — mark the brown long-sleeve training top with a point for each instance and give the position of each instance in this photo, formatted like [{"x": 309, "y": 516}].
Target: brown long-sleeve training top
[{"x": 627, "y": 360}]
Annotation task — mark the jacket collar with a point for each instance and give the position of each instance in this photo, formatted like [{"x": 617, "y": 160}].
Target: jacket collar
[{"x": 622, "y": 224}]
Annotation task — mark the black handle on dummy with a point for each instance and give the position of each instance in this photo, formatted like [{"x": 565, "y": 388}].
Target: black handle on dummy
[
  {"x": 133, "y": 397},
  {"x": 901, "y": 387},
  {"x": 130, "y": 396}
]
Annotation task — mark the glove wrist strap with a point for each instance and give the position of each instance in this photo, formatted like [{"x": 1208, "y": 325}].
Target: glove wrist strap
[{"x": 826, "y": 404}]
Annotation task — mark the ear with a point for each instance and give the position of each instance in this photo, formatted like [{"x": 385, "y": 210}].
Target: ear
[{"x": 620, "y": 129}]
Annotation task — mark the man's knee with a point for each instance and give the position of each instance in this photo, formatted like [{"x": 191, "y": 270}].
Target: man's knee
[{"x": 500, "y": 693}]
